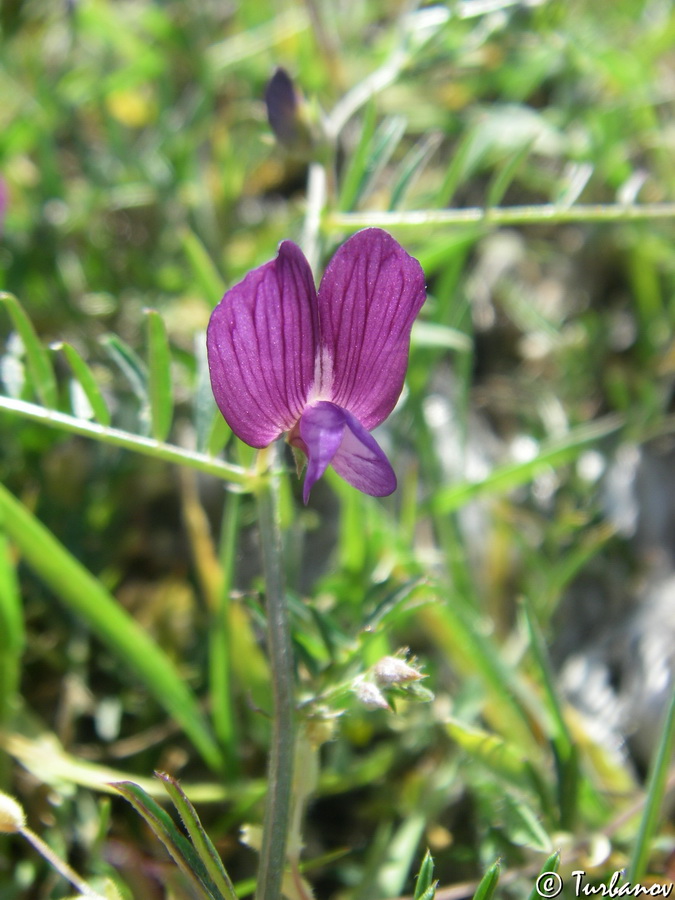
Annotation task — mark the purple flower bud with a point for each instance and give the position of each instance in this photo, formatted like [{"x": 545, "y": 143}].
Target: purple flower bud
[
  {"x": 287, "y": 113},
  {"x": 326, "y": 367},
  {"x": 392, "y": 670}
]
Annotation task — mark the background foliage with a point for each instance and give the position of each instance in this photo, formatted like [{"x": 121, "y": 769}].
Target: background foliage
[{"x": 140, "y": 179}]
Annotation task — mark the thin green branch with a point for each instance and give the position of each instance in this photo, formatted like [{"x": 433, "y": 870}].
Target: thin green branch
[
  {"x": 145, "y": 445},
  {"x": 543, "y": 213}
]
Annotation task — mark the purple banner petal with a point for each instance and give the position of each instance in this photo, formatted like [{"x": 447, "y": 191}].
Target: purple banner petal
[
  {"x": 368, "y": 299},
  {"x": 262, "y": 341},
  {"x": 333, "y": 436}
]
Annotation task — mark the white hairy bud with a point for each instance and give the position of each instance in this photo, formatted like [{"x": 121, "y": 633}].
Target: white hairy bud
[
  {"x": 370, "y": 696},
  {"x": 12, "y": 816},
  {"x": 393, "y": 670}
]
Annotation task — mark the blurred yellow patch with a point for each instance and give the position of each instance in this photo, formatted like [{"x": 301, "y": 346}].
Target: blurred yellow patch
[{"x": 133, "y": 107}]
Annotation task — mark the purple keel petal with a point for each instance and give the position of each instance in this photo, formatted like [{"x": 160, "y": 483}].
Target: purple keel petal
[
  {"x": 368, "y": 299},
  {"x": 333, "y": 436},
  {"x": 261, "y": 344}
]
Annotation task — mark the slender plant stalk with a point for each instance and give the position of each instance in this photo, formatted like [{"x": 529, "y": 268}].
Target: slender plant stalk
[
  {"x": 280, "y": 773},
  {"x": 145, "y": 445},
  {"x": 57, "y": 863},
  {"x": 538, "y": 214}
]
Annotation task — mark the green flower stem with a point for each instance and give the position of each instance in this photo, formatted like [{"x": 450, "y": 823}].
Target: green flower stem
[
  {"x": 538, "y": 214},
  {"x": 145, "y": 445},
  {"x": 280, "y": 773},
  {"x": 316, "y": 199}
]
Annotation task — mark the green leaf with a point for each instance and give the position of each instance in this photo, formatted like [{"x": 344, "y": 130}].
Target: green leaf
[
  {"x": 550, "y": 868},
  {"x": 159, "y": 376},
  {"x": 86, "y": 597},
  {"x": 88, "y": 383},
  {"x": 211, "y": 428},
  {"x": 208, "y": 279},
  {"x": 134, "y": 370},
  {"x": 462, "y": 636},
  {"x": 513, "y": 475},
  {"x": 465, "y": 158},
  {"x": 522, "y": 824},
  {"x": 430, "y": 334},
  {"x": 179, "y": 848},
  {"x": 200, "y": 839},
  {"x": 12, "y": 637},
  {"x": 502, "y": 180},
  {"x": 425, "y": 886},
  {"x": 39, "y": 363},
  {"x": 656, "y": 790},
  {"x": 218, "y": 435},
  {"x": 400, "y": 851},
  {"x": 488, "y": 883},
  {"x": 411, "y": 167},
  {"x": 355, "y": 174},
  {"x": 566, "y": 755},
  {"x": 502, "y": 758},
  {"x": 384, "y": 143}
]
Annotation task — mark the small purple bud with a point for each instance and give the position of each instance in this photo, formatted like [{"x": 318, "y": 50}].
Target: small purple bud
[
  {"x": 392, "y": 670},
  {"x": 370, "y": 696},
  {"x": 287, "y": 113}
]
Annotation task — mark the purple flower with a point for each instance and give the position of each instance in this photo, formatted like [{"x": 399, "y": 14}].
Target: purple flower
[{"x": 325, "y": 367}]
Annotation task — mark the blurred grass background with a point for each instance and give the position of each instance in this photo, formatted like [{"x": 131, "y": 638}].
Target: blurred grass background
[{"x": 533, "y": 444}]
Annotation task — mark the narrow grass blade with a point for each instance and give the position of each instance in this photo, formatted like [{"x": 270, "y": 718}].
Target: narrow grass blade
[
  {"x": 502, "y": 180},
  {"x": 411, "y": 167},
  {"x": 513, "y": 475},
  {"x": 200, "y": 839},
  {"x": 86, "y": 597},
  {"x": 567, "y": 761},
  {"x": 430, "y": 334},
  {"x": 87, "y": 382},
  {"x": 159, "y": 376},
  {"x": 656, "y": 785},
  {"x": 385, "y": 141},
  {"x": 488, "y": 883},
  {"x": 461, "y": 636},
  {"x": 220, "y": 639},
  {"x": 203, "y": 404},
  {"x": 464, "y": 158},
  {"x": 12, "y": 640},
  {"x": 179, "y": 848},
  {"x": 39, "y": 363},
  {"x": 128, "y": 440},
  {"x": 549, "y": 870},
  {"x": 131, "y": 366},
  {"x": 401, "y": 850},
  {"x": 218, "y": 435},
  {"x": 355, "y": 173},
  {"x": 207, "y": 277}
]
